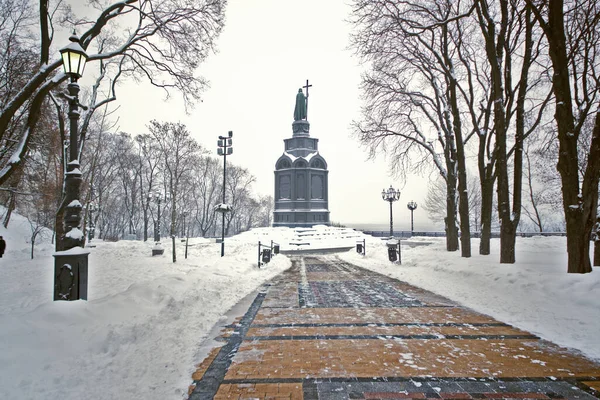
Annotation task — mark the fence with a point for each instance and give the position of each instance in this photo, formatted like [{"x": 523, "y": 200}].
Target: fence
[{"x": 408, "y": 234}]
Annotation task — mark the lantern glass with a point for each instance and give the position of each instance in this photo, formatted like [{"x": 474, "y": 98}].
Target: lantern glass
[{"x": 74, "y": 58}]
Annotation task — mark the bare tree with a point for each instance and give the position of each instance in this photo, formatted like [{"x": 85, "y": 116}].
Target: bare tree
[
  {"x": 162, "y": 41},
  {"x": 511, "y": 50},
  {"x": 149, "y": 160},
  {"x": 238, "y": 186},
  {"x": 572, "y": 29},
  {"x": 412, "y": 94},
  {"x": 179, "y": 152},
  {"x": 206, "y": 180}
]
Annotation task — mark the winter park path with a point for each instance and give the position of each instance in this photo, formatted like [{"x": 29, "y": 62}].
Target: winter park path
[{"x": 326, "y": 329}]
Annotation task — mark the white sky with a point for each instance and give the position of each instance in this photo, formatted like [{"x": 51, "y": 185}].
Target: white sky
[{"x": 267, "y": 50}]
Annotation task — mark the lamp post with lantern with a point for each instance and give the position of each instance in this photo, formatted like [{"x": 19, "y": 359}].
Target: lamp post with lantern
[
  {"x": 71, "y": 262},
  {"x": 391, "y": 195},
  {"x": 412, "y": 206}
]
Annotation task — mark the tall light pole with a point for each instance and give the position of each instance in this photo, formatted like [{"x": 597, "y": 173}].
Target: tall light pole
[
  {"x": 157, "y": 250},
  {"x": 391, "y": 195},
  {"x": 225, "y": 149},
  {"x": 71, "y": 262},
  {"x": 412, "y": 206}
]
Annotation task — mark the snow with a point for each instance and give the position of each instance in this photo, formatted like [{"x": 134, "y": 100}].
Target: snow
[
  {"x": 75, "y": 233},
  {"x": 290, "y": 156},
  {"x": 310, "y": 156},
  {"x": 75, "y": 203},
  {"x": 141, "y": 332},
  {"x": 75, "y": 251}
]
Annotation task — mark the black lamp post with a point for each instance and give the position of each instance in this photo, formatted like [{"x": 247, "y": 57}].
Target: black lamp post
[
  {"x": 157, "y": 249},
  {"x": 91, "y": 226},
  {"x": 225, "y": 149},
  {"x": 412, "y": 206},
  {"x": 391, "y": 195},
  {"x": 71, "y": 263}
]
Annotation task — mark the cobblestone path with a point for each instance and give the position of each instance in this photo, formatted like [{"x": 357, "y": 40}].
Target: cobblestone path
[{"x": 328, "y": 330}]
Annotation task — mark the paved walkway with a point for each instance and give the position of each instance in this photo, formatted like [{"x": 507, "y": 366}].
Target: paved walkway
[{"x": 330, "y": 330}]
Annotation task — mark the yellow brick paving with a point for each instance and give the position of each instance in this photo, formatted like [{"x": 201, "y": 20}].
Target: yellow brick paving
[
  {"x": 379, "y": 355},
  {"x": 385, "y": 330}
]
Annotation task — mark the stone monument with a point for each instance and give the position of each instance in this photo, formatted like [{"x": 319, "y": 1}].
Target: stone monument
[{"x": 301, "y": 175}]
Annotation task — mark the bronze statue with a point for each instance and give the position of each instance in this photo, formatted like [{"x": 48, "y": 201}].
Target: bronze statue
[{"x": 300, "y": 109}]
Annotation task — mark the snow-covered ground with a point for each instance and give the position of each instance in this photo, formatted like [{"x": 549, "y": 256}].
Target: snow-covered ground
[{"x": 139, "y": 335}]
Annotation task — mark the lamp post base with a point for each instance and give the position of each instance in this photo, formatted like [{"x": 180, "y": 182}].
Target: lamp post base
[{"x": 71, "y": 274}]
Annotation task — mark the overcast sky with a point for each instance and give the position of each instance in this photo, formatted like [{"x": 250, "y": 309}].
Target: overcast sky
[{"x": 267, "y": 50}]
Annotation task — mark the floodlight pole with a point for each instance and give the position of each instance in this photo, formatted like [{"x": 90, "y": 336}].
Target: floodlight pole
[{"x": 225, "y": 147}]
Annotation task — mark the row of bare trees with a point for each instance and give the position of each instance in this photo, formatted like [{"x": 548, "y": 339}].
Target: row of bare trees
[
  {"x": 453, "y": 81},
  {"x": 124, "y": 176},
  {"x": 129, "y": 173},
  {"x": 162, "y": 42}
]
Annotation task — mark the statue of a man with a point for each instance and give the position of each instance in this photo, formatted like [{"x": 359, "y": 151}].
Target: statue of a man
[{"x": 300, "y": 109}]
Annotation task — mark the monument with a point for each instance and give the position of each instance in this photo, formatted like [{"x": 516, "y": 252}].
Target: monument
[{"x": 301, "y": 175}]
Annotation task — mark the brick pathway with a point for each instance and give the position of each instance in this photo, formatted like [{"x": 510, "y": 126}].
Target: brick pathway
[{"x": 328, "y": 330}]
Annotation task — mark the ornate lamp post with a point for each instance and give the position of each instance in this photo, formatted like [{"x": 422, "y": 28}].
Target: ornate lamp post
[
  {"x": 391, "y": 195},
  {"x": 412, "y": 206},
  {"x": 71, "y": 263},
  {"x": 91, "y": 226},
  {"x": 225, "y": 149}
]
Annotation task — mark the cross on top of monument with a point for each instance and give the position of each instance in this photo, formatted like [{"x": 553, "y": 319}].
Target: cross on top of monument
[{"x": 306, "y": 87}]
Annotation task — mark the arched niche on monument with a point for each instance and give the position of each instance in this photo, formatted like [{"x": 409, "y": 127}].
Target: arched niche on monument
[
  {"x": 301, "y": 186},
  {"x": 283, "y": 164},
  {"x": 316, "y": 187},
  {"x": 284, "y": 187},
  {"x": 300, "y": 164},
  {"x": 318, "y": 163}
]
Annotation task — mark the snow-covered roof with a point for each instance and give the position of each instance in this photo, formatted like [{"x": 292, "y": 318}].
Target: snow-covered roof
[
  {"x": 291, "y": 156},
  {"x": 310, "y": 156}
]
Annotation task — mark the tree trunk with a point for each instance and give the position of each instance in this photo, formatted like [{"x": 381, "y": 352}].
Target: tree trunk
[
  {"x": 9, "y": 209},
  {"x": 487, "y": 205},
  {"x": 450, "y": 220},
  {"x": 494, "y": 47},
  {"x": 577, "y": 235},
  {"x": 146, "y": 224},
  {"x": 507, "y": 243},
  {"x": 597, "y": 243},
  {"x": 463, "y": 194}
]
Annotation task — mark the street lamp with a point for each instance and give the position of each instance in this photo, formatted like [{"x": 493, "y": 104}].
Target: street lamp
[
  {"x": 412, "y": 206},
  {"x": 225, "y": 149},
  {"x": 71, "y": 262},
  {"x": 390, "y": 195},
  {"x": 157, "y": 249}
]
